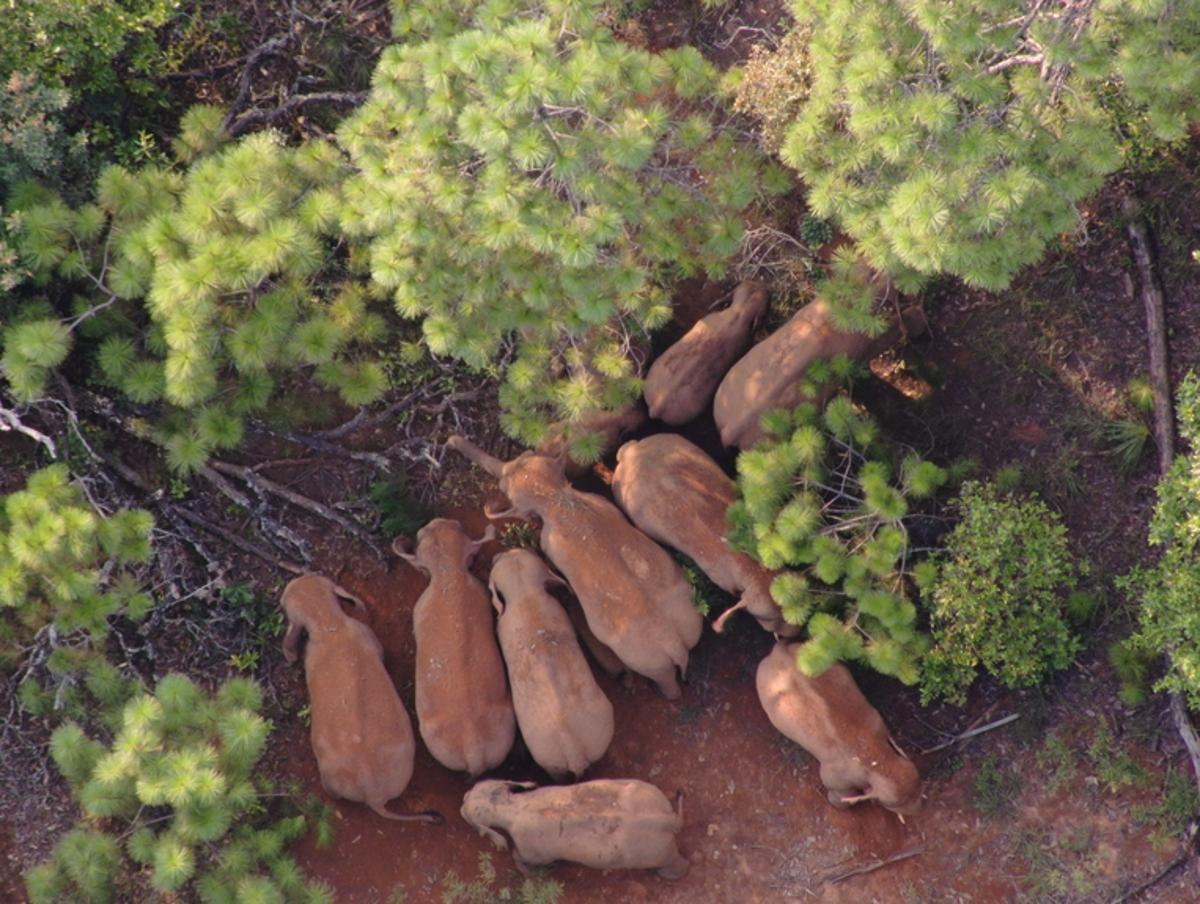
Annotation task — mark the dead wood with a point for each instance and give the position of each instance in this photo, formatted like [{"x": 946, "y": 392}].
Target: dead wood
[
  {"x": 265, "y": 485},
  {"x": 10, "y": 420},
  {"x": 873, "y": 866},
  {"x": 1154, "y": 304},
  {"x": 972, "y": 732}
]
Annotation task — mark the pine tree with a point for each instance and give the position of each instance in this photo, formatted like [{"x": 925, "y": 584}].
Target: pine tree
[
  {"x": 957, "y": 136},
  {"x": 204, "y": 286},
  {"x": 822, "y": 500},
  {"x": 190, "y": 758},
  {"x": 63, "y": 563},
  {"x": 522, "y": 173}
]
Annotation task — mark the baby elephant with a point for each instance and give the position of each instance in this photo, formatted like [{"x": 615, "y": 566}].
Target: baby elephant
[
  {"x": 361, "y": 733},
  {"x": 565, "y": 719},
  {"x": 463, "y": 709},
  {"x": 605, "y": 824},
  {"x": 830, "y": 718}
]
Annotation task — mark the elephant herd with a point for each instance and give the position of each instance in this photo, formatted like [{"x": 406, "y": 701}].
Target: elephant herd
[{"x": 495, "y": 658}]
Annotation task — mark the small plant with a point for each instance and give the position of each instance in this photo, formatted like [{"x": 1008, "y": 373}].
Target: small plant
[
  {"x": 173, "y": 806},
  {"x": 1058, "y": 757},
  {"x": 1125, "y": 441},
  {"x": 826, "y": 498},
  {"x": 815, "y": 232},
  {"x": 997, "y": 601},
  {"x": 482, "y": 890},
  {"x": 1115, "y": 768},
  {"x": 996, "y": 787},
  {"x": 1140, "y": 392},
  {"x": 519, "y": 535},
  {"x": 400, "y": 511},
  {"x": 707, "y": 597},
  {"x": 1176, "y": 806},
  {"x": 1132, "y": 666}
]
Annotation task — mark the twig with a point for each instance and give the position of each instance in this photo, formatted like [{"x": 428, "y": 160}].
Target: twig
[
  {"x": 263, "y": 484},
  {"x": 365, "y": 420},
  {"x": 10, "y": 420},
  {"x": 970, "y": 733},
  {"x": 239, "y": 542},
  {"x": 874, "y": 865},
  {"x": 1187, "y": 731}
]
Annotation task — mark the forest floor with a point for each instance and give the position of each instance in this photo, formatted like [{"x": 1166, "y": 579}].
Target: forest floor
[{"x": 1081, "y": 799}]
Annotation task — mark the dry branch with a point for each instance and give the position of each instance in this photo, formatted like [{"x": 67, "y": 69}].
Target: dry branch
[
  {"x": 265, "y": 485},
  {"x": 972, "y": 732},
  {"x": 10, "y": 420},
  {"x": 873, "y": 865},
  {"x": 1153, "y": 302}
]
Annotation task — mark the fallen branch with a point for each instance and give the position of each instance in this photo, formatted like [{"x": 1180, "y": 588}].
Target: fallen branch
[
  {"x": 265, "y": 485},
  {"x": 874, "y": 865},
  {"x": 1153, "y": 302},
  {"x": 970, "y": 733},
  {"x": 365, "y": 420},
  {"x": 1187, "y": 731}
]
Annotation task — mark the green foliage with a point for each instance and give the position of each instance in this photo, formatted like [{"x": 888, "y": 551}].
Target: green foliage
[
  {"x": 1173, "y": 810},
  {"x": 1140, "y": 392},
  {"x": 482, "y": 889},
  {"x": 823, "y": 499},
  {"x": 1169, "y": 620},
  {"x": 64, "y": 563},
  {"x": 400, "y": 510},
  {"x": 1132, "y": 666},
  {"x": 957, "y": 136},
  {"x": 1058, "y": 757},
  {"x": 707, "y": 597},
  {"x": 997, "y": 600},
  {"x": 211, "y": 284},
  {"x": 177, "y": 787},
  {"x": 32, "y": 139},
  {"x": 76, "y": 41},
  {"x": 1115, "y": 768},
  {"x": 996, "y": 787},
  {"x": 522, "y": 173},
  {"x": 1125, "y": 441}
]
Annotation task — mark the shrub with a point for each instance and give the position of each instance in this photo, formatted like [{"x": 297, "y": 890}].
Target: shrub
[
  {"x": 1169, "y": 619},
  {"x": 957, "y": 136},
  {"x": 62, "y": 562},
  {"x": 523, "y": 176},
  {"x": 997, "y": 601},
  {"x": 177, "y": 787},
  {"x": 823, "y": 499},
  {"x": 773, "y": 86},
  {"x": 32, "y": 139}
]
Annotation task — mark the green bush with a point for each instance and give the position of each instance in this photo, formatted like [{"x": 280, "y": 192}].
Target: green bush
[
  {"x": 64, "y": 563},
  {"x": 524, "y": 175},
  {"x": 824, "y": 500},
  {"x": 177, "y": 791},
  {"x": 1169, "y": 619},
  {"x": 957, "y": 136},
  {"x": 998, "y": 599},
  {"x": 32, "y": 139}
]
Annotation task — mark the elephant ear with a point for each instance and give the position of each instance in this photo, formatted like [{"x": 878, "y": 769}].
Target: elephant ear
[
  {"x": 473, "y": 547},
  {"x": 496, "y": 838},
  {"x": 402, "y": 546}
]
